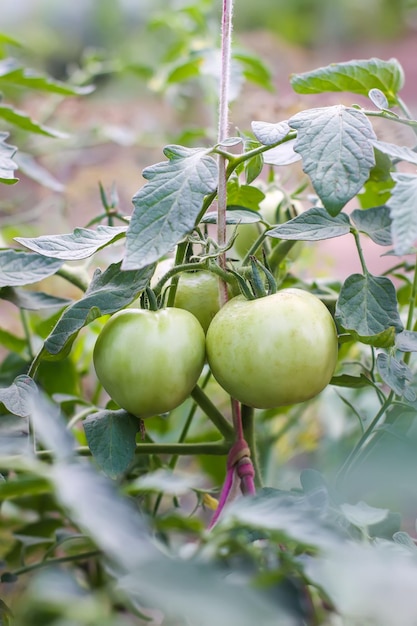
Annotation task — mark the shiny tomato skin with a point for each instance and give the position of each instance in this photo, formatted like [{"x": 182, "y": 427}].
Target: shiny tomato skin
[
  {"x": 273, "y": 351},
  {"x": 149, "y": 361}
]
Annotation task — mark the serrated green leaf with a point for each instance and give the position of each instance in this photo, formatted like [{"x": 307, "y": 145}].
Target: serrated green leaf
[
  {"x": 108, "y": 292},
  {"x": 313, "y": 225},
  {"x": 354, "y": 76},
  {"x": 284, "y": 154},
  {"x": 376, "y": 190},
  {"x": 111, "y": 437},
  {"x": 25, "y": 268},
  {"x": 402, "y": 206},
  {"x": 374, "y": 222},
  {"x": 17, "y": 397},
  {"x": 268, "y": 134},
  {"x": 367, "y": 305},
  {"x": 32, "y": 300},
  {"x": 336, "y": 146},
  {"x": 402, "y": 153},
  {"x": 81, "y": 244},
  {"x": 168, "y": 205},
  {"x": 25, "y": 122},
  {"x": 7, "y": 165},
  {"x": 406, "y": 341},
  {"x": 13, "y": 72},
  {"x": 396, "y": 374}
]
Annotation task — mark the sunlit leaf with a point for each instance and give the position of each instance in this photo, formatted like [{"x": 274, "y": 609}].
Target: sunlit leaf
[
  {"x": 80, "y": 244},
  {"x": 368, "y": 305},
  {"x": 359, "y": 76},
  {"x": 336, "y": 146},
  {"x": 269, "y": 134},
  {"x": 313, "y": 225},
  {"x": 167, "y": 206},
  {"x": 402, "y": 205},
  {"x": 24, "y": 268}
]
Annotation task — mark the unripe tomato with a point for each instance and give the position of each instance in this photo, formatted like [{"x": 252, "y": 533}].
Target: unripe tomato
[
  {"x": 198, "y": 293},
  {"x": 149, "y": 361},
  {"x": 273, "y": 351}
]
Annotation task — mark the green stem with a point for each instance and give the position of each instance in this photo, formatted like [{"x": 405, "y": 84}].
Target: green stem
[
  {"x": 26, "y": 330},
  {"x": 248, "y": 422},
  {"x": 215, "y": 448},
  {"x": 62, "y": 559},
  {"x": 365, "y": 436},
  {"x": 360, "y": 252},
  {"x": 400, "y": 120},
  {"x": 279, "y": 253},
  {"x": 179, "y": 260},
  {"x": 73, "y": 276},
  {"x": 212, "y": 413}
]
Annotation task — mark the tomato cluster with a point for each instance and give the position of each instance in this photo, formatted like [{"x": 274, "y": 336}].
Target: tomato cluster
[{"x": 276, "y": 350}]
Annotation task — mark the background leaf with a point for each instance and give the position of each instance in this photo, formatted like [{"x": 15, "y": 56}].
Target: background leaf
[
  {"x": 25, "y": 122},
  {"x": 108, "y": 292},
  {"x": 313, "y": 225},
  {"x": 396, "y": 374},
  {"x": 7, "y": 165},
  {"x": 406, "y": 341},
  {"x": 24, "y": 268},
  {"x": 374, "y": 222},
  {"x": 336, "y": 145},
  {"x": 111, "y": 437},
  {"x": 402, "y": 205},
  {"x": 167, "y": 206},
  {"x": 368, "y": 305},
  {"x": 32, "y": 300},
  {"x": 284, "y": 154},
  {"x": 402, "y": 153},
  {"x": 13, "y": 72},
  {"x": 359, "y": 76},
  {"x": 17, "y": 397},
  {"x": 80, "y": 244},
  {"x": 269, "y": 134}
]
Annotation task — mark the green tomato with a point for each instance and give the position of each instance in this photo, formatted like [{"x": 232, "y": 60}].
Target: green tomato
[
  {"x": 273, "y": 351},
  {"x": 247, "y": 234},
  {"x": 149, "y": 361},
  {"x": 198, "y": 293}
]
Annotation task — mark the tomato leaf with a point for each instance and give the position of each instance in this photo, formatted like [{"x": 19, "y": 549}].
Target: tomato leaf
[
  {"x": 396, "y": 374},
  {"x": 17, "y": 397},
  {"x": 80, "y": 244},
  {"x": 379, "y": 99},
  {"x": 402, "y": 153},
  {"x": 111, "y": 437},
  {"x": 7, "y": 165},
  {"x": 374, "y": 222},
  {"x": 402, "y": 205},
  {"x": 25, "y": 122},
  {"x": 32, "y": 300},
  {"x": 347, "y": 380},
  {"x": 108, "y": 292},
  {"x": 367, "y": 305},
  {"x": 336, "y": 146},
  {"x": 313, "y": 225},
  {"x": 234, "y": 215},
  {"x": 406, "y": 341},
  {"x": 13, "y": 72},
  {"x": 34, "y": 170},
  {"x": 362, "y": 515},
  {"x": 24, "y": 268},
  {"x": 359, "y": 76},
  {"x": 284, "y": 154},
  {"x": 268, "y": 134},
  {"x": 243, "y": 196},
  {"x": 168, "y": 205}
]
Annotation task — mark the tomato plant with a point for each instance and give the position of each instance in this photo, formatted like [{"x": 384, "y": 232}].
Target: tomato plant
[
  {"x": 149, "y": 361},
  {"x": 273, "y": 351},
  {"x": 250, "y": 504}
]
